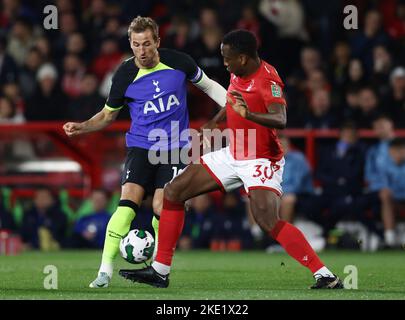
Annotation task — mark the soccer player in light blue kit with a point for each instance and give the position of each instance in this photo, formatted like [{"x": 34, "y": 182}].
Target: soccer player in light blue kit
[{"x": 153, "y": 85}]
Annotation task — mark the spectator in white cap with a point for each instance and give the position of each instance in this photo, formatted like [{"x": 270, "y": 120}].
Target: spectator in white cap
[
  {"x": 394, "y": 103},
  {"x": 48, "y": 102}
]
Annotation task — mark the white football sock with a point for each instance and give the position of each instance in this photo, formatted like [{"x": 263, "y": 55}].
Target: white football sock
[
  {"x": 107, "y": 268},
  {"x": 161, "y": 268},
  {"x": 323, "y": 272}
]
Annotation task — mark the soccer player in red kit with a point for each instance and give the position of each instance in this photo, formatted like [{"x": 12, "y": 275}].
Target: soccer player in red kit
[{"x": 256, "y": 108}]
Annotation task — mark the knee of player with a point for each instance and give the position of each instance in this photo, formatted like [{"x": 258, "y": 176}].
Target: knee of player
[
  {"x": 172, "y": 192},
  {"x": 268, "y": 222},
  {"x": 262, "y": 209},
  {"x": 265, "y": 214}
]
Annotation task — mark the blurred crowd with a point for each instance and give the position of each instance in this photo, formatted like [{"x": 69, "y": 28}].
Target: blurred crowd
[
  {"x": 51, "y": 221},
  {"x": 334, "y": 78},
  {"x": 331, "y": 74}
]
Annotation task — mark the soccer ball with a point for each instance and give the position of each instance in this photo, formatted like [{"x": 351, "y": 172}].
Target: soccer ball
[{"x": 137, "y": 246}]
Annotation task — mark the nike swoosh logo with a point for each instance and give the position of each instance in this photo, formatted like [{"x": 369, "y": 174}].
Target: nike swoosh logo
[
  {"x": 100, "y": 285},
  {"x": 158, "y": 95}
]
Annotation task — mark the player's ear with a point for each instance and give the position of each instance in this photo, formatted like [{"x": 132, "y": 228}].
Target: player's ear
[
  {"x": 158, "y": 43},
  {"x": 243, "y": 59}
]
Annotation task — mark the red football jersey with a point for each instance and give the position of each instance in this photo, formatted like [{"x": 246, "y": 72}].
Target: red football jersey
[{"x": 250, "y": 140}]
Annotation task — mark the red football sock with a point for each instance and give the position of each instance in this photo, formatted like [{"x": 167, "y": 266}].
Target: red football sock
[
  {"x": 170, "y": 226},
  {"x": 295, "y": 244}
]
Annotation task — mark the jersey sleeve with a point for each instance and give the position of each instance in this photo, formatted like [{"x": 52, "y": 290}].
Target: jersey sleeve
[
  {"x": 120, "y": 81},
  {"x": 272, "y": 89},
  {"x": 184, "y": 62},
  {"x": 191, "y": 69}
]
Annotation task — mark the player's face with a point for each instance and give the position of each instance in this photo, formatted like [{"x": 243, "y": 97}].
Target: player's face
[
  {"x": 232, "y": 61},
  {"x": 383, "y": 128},
  {"x": 145, "y": 47}
]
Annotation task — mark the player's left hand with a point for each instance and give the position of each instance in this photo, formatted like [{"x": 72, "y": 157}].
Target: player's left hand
[{"x": 239, "y": 105}]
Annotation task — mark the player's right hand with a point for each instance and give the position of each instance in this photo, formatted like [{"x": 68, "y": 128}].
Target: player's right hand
[
  {"x": 204, "y": 140},
  {"x": 73, "y": 128}
]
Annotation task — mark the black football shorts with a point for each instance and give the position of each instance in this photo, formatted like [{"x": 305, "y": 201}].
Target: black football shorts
[{"x": 138, "y": 169}]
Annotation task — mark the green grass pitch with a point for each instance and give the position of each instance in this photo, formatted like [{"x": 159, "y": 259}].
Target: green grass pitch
[{"x": 205, "y": 275}]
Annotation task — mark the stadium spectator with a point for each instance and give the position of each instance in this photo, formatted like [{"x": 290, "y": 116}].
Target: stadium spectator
[
  {"x": 376, "y": 160},
  {"x": 68, "y": 24},
  {"x": 21, "y": 147},
  {"x": 88, "y": 102},
  {"x": 94, "y": 19},
  {"x": 89, "y": 231},
  {"x": 297, "y": 182},
  {"x": 288, "y": 18},
  {"x": 27, "y": 77},
  {"x": 21, "y": 40},
  {"x": 392, "y": 189},
  {"x": 48, "y": 102},
  {"x": 108, "y": 58},
  {"x": 369, "y": 107},
  {"x": 10, "y": 11},
  {"x": 316, "y": 81},
  {"x": 207, "y": 51},
  {"x": 73, "y": 73},
  {"x": 8, "y": 112},
  {"x": 393, "y": 175},
  {"x": 44, "y": 47},
  {"x": 382, "y": 66},
  {"x": 44, "y": 225},
  {"x": 179, "y": 34},
  {"x": 77, "y": 45},
  {"x": 357, "y": 76},
  {"x": 8, "y": 68},
  {"x": 12, "y": 91},
  {"x": 310, "y": 60},
  {"x": 321, "y": 115},
  {"x": 340, "y": 65},
  {"x": 65, "y": 6},
  {"x": 394, "y": 102},
  {"x": 340, "y": 173},
  {"x": 249, "y": 21},
  {"x": 349, "y": 108},
  {"x": 208, "y": 18},
  {"x": 394, "y": 17},
  {"x": 367, "y": 38}
]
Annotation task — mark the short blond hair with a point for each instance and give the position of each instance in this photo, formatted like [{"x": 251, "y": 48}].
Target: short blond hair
[{"x": 141, "y": 24}]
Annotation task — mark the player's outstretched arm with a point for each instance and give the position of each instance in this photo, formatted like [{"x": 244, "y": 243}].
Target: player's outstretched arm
[
  {"x": 99, "y": 121},
  {"x": 217, "y": 93},
  {"x": 213, "y": 89},
  {"x": 275, "y": 118}
]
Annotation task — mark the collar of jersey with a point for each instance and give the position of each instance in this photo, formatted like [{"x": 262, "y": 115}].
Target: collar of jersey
[
  {"x": 143, "y": 72},
  {"x": 254, "y": 74}
]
